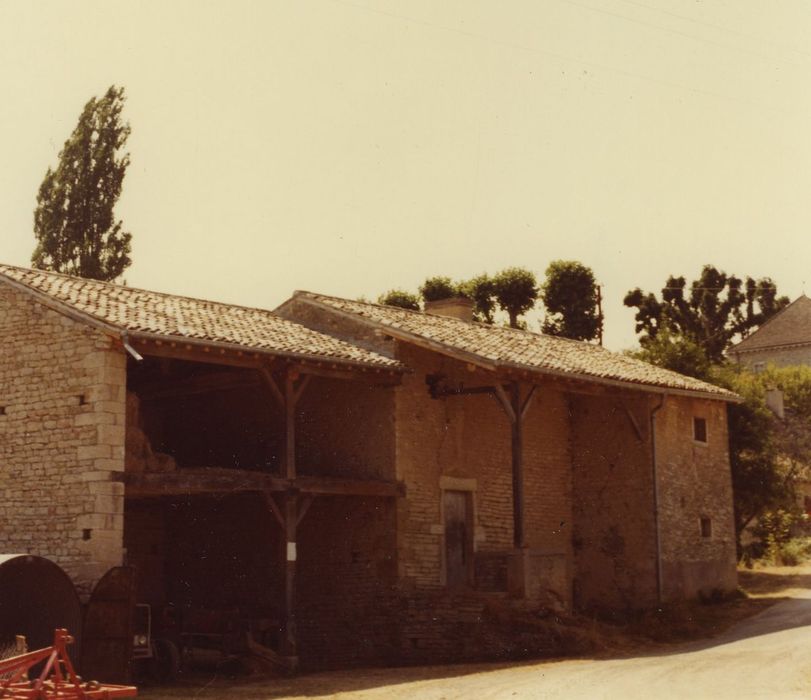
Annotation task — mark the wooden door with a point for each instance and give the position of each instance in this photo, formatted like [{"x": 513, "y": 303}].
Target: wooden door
[
  {"x": 108, "y": 627},
  {"x": 458, "y": 538}
]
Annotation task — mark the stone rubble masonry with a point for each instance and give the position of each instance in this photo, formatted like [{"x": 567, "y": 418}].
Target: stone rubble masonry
[
  {"x": 62, "y": 393},
  {"x": 695, "y": 483},
  {"x": 614, "y": 526}
]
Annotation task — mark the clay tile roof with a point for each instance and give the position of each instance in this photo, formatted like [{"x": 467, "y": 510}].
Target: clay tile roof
[
  {"x": 510, "y": 348},
  {"x": 138, "y": 311},
  {"x": 790, "y": 326}
]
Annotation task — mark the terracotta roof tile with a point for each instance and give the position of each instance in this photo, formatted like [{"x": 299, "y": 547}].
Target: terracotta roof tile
[
  {"x": 508, "y": 347},
  {"x": 140, "y": 311},
  {"x": 791, "y": 326}
]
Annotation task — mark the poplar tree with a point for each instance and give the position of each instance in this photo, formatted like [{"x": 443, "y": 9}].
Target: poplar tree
[{"x": 74, "y": 224}]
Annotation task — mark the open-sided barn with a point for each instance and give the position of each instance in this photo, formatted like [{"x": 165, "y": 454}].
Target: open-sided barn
[{"x": 357, "y": 482}]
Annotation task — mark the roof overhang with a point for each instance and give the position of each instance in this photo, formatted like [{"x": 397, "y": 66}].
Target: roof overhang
[
  {"x": 209, "y": 350},
  {"x": 500, "y": 366}
]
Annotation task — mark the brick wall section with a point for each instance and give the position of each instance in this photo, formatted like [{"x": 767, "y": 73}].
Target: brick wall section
[
  {"x": 347, "y": 609},
  {"x": 58, "y": 451},
  {"x": 614, "y": 528},
  {"x": 695, "y": 483},
  {"x": 346, "y": 428}
]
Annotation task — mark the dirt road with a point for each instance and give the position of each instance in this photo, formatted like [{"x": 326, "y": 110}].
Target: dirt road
[{"x": 766, "y": 656}]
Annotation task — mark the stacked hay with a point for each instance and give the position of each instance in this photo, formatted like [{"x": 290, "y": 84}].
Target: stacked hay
[{"x": 140, "y": 456}]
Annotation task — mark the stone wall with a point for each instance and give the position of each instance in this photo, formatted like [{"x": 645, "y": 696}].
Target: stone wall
[
  {"x": 62, "y": 412},
  {"x": 614, "y": 528},
  {"x": 781, "y": 357},
  {"x": 695, "y": 484}
]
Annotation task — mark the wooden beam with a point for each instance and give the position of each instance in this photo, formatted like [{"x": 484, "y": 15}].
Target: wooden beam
[
  {"x": 270, "y": 382},
  {"x": 506, "y": 404},
  {"x": 517, "y": 466},
  {"x": 196, "y": 353},
  {"x": 302, "y": 387},
  {"x": 303, "y": 506},
  {"x": 271, "y": 502},
  {"x": 291, "y": 518},
  {"x": 289, "y": 424},
  {"x": 382, "y": 377},
  {"x": 631, "y": 417},
  {"x": 528, "y": 401},
  {"x": 216, "y": 381},
  {"x": 218, "y": 482}
]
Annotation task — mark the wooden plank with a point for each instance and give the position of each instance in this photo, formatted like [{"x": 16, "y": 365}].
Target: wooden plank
[{"x": 212, "y": 481}]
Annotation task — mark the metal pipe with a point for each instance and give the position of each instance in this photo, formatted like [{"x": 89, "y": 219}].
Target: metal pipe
[
  {"x": 653, "y": 413},
  {"x": 131, "y": 350}
]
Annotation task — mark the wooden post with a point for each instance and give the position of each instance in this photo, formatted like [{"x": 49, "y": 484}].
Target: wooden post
[
  {"x": 291, "y": 518},
  {"x": 518, "y": 465},
  {"x": 290, "y": 424}
]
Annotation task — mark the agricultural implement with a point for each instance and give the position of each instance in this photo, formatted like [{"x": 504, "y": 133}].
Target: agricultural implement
[{"x": 56, "y": 679}]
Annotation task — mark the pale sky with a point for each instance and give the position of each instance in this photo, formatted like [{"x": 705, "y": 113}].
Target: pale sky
[{"x": 352, "y": 146}]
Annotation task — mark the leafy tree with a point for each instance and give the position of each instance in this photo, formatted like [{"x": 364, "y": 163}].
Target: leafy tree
[
  {"x": 480, "y": 289},
  {"x": 401, "y": 299},
  {"x": 516, "y": 290},
  {"x": 570, "y": 296},
  {"x": 74, "y": 224},
  {"x": 675, "y": 352},
  {"x": 437, "y": 288},
  {"x": 715, "y": 309}
]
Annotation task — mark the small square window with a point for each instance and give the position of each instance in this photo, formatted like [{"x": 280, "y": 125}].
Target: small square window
[
  {"x": 700, "y": 429},
  {"x": 759, "y": 367},
  {"x": 706, "y": 527}
]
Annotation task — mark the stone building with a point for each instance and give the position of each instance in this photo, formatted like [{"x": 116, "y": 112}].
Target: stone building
[
  {"x": 784, "y": 340},
  {"x": 365, "y": 480}
]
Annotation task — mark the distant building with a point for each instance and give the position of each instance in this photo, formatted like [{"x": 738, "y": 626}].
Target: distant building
[{"x": 784, "y": 340}]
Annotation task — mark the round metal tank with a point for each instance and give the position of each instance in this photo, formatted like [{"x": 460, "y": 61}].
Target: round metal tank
[{"x": 36, "y": 597}]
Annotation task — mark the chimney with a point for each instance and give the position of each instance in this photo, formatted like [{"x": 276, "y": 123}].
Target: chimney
[
  {"x": 454, "y": 307},
  {"x": 774, "y": 402}
]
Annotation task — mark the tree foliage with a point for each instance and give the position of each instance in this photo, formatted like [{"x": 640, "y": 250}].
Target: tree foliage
[
  {"x": 767, "y": 454},
  {"x": 400, "y": 299},
  {"x": 516, "y": 291},
  {"x": 675, "y": 352},
  {"x": 480, "y": 290},
  {"x": 74, "y": 224},
  {"x": 438, "y": 288},
  {"x": 570, "y": 296},
  {"x": 714, "y": 309}
]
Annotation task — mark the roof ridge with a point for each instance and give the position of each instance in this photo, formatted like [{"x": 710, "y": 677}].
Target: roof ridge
[
  {"x": 479, "y": 324},
  {"x": 767, "y": 322},
  {"x": 87, "y": 280}
]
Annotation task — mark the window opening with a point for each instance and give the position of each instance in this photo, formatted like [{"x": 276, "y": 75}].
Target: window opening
[{"x": 700, "y": 429}]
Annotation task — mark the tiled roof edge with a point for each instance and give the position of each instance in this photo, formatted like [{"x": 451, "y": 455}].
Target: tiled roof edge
[
  {"x": 721, "y": 395},
  {"x": 60, "y": 306}
]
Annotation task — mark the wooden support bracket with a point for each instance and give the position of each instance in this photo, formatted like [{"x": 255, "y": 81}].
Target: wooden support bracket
[
  {"x": 634, "y": 422},
  {"x": 271, "y": 383},
  {"x": 506, "y": 404}
]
